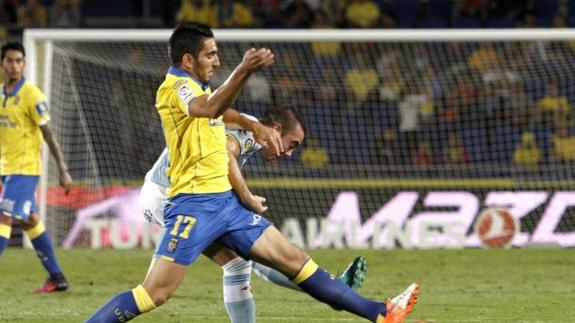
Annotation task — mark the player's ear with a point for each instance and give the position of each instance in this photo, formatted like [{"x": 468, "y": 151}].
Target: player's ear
[
  {"x": 278, "y": 127},
  {"x": 188, "y": 60}
]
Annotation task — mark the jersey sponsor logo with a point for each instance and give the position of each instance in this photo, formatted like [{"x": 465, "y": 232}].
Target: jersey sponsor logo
[
  {"x": 185, "y": 93},
  {"x": 256, "y": 219},
  {"x": 5, "y": 122},
  {"x": 7, "y": 205},
  {"x": 215, "y": 122},
  {"x": 16, "y": 100}
]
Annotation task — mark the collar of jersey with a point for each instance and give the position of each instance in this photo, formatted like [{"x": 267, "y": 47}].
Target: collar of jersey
[
  {"x": 16, "y": 88},
  {"x": 181, "y": 73}
]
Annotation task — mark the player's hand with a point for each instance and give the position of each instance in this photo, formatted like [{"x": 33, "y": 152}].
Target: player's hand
[
  {"x": 256, "y": 203},
  {"x": 254, "y": 59},
  {"x": 269, "y": 138},
  {"x": 66, "y": 181}
]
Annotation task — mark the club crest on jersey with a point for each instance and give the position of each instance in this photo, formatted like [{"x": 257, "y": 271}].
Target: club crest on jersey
[
  {"x": 185, "y": 93},
  {"x": 250, "y": 142},
  {"x": 172, "y": 245}
]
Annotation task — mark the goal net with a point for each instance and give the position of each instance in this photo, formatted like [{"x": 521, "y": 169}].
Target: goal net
[{"x": 410, "y": 134}]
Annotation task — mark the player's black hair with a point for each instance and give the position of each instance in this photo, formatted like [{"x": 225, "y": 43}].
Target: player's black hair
[
  {"x": 12, "y": 46},
  {"x": 188, "y": 37},
  {"x": 285, "y": 115}
]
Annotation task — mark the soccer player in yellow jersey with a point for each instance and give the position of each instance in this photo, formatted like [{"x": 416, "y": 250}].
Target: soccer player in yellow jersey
[
  {"x": 203, "y": 209},
  {"x": 23, "y": 123}
]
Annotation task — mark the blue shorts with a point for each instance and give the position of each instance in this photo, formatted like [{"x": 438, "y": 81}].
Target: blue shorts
[
  {"x": 17, "y": 199},
  {"x": 194, "y": 221}
]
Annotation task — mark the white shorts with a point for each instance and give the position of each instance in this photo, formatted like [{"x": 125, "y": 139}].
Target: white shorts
[{"x": 152, "y": 202}]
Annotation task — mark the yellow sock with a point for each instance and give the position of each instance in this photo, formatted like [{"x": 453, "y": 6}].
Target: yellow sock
[{"x": 143, "y": 299}]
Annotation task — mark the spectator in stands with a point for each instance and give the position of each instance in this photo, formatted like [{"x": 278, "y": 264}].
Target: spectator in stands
[
  {"x": 392, "y": 77},
  {"x": 313, "y": 155},
  {"x": 553, "y": 107},
  {"x": 423, "y": 156},
  {"x": 483, "y": 58},
  {"x": 527, "y": 153},
  {"x": 266, "y": 12},
  {"x": 32, "y": 15},
  {"x": 335, "y": 11},
  {"x": 563, "y": 145},
  {"x": 361, "y": 79},
  {"x": 454, "y": 153},
  {"x": 409, "y": 121},
  {"x": 9, "y": 12},
  {"x": 324, "y": 50},
  {"x": 65, "y": 14},
  {"x": 169, "y": 9},
  {"x": 197, "y": 10},
  {"x": 233, "y": 14},
  {"x": 362, "y": 14},
  {"x": 387, "y": 151},
  {"x": 469, "y": 14},
  {"x": 296, "y": 14}
]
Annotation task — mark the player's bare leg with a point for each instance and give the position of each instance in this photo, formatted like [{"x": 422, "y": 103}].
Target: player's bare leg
[
  {"x": 163, "y": 279},
  {"x": 161, "y": 282},
  {"x": 273, "y": 249},
  {"x": 42, "y": 243}
]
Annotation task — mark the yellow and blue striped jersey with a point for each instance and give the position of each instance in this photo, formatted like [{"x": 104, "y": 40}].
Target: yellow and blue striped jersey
[
  {"x": 198, "y": 159},
  {"x": 22, "y": 112}
]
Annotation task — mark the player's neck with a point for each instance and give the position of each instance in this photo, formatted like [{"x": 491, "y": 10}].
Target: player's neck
[{"x": 10, "y": 84}]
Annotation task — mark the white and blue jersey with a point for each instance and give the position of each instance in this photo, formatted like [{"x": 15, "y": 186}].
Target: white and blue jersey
[
  {"x": 153, "y": 195},
  {"x": 245, "y": 139}
]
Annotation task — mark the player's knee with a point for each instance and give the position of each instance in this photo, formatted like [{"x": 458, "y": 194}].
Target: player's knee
[{"x": 160, "y": 297}]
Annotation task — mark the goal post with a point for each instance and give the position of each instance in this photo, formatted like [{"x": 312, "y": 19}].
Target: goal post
[{"x": 411, "y": 133}]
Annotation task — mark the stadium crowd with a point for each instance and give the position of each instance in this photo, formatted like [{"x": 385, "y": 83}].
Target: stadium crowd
[{"x": 460, "y": 105}]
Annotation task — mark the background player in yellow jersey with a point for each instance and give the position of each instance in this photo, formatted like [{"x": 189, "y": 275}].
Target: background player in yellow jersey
[
  {"x": 23, "y": 122},
  {"x": 202, "y": 209}
]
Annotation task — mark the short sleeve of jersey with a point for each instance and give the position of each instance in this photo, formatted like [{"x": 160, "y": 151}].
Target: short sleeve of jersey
[
  {"x": 248, "y": 145},
  {"x": 39, "y": 108},
  {"x": 186, "y": 92}
]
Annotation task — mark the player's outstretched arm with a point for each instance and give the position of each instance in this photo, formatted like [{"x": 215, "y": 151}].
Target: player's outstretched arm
[
  {"x": 225, "y": 95},
  {"x": 263, "y": 135},
  {"x": 253, "y": 202},
  {"x": 65, "y": 177}
]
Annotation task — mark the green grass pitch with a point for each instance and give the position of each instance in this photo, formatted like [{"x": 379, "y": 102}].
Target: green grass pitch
[{"x": 518, "y": 285}]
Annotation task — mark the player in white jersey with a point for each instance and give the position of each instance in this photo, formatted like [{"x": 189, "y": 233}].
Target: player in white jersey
[{"x": 241, "y": 146}]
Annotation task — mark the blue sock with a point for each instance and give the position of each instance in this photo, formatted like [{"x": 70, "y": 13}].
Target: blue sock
[
  {"x": 43, "y": 246},
  {"x": 238, "y": 296},
  {"x": 5, "y": 231},
  {"x": 123, "y": 307},
  {"x": 326, "y": 288}
]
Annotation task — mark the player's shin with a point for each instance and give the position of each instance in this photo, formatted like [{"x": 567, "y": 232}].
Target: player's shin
[
  {"x": 44, "y": 249},
  {"x": 5, "y": 231},
  {"x": 274, "y": 276},
  {"x": 124, "y": 307},
  {"x": 326, "y": 288},
  {"x": 238, "y": 296}
]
